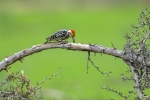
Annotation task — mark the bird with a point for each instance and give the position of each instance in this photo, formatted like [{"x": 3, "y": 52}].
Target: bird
[{"x": 61, "y": 35}]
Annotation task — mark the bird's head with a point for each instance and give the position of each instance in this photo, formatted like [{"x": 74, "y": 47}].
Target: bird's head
[{"x": 72, "y": 33}]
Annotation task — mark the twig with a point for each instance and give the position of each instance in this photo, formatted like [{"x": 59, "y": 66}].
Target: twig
[
  {"x": 89, "y": 59},
  {"x": 49, "y": 78}
]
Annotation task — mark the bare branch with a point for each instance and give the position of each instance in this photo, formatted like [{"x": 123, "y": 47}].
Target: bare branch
[
  {"x": 48, "y": 78},
  {"x": 98, "y": 69},
  {"x": 144, "y": 41},
  {"x": 69, "y": 46},
  {"x": 137, "y": 80}
]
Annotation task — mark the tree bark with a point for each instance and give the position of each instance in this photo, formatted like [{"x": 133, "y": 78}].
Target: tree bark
[{"x": 69, "y": 46}]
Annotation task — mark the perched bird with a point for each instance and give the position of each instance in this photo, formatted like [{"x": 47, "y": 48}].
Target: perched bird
[{"x": 61, "y": 35}]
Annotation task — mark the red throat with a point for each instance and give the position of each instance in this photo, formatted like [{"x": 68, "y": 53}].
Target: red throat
[{"x": 73, "y": 33}]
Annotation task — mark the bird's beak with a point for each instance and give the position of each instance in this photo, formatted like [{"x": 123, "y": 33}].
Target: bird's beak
[{"x": 73, "y": 39}]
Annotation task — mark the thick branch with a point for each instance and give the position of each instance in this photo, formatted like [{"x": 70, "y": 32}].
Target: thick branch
[{"x": 69, "y": 46}]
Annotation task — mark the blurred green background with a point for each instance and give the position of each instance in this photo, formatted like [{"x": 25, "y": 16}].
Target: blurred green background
[{"x": 24, "y": 23}]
